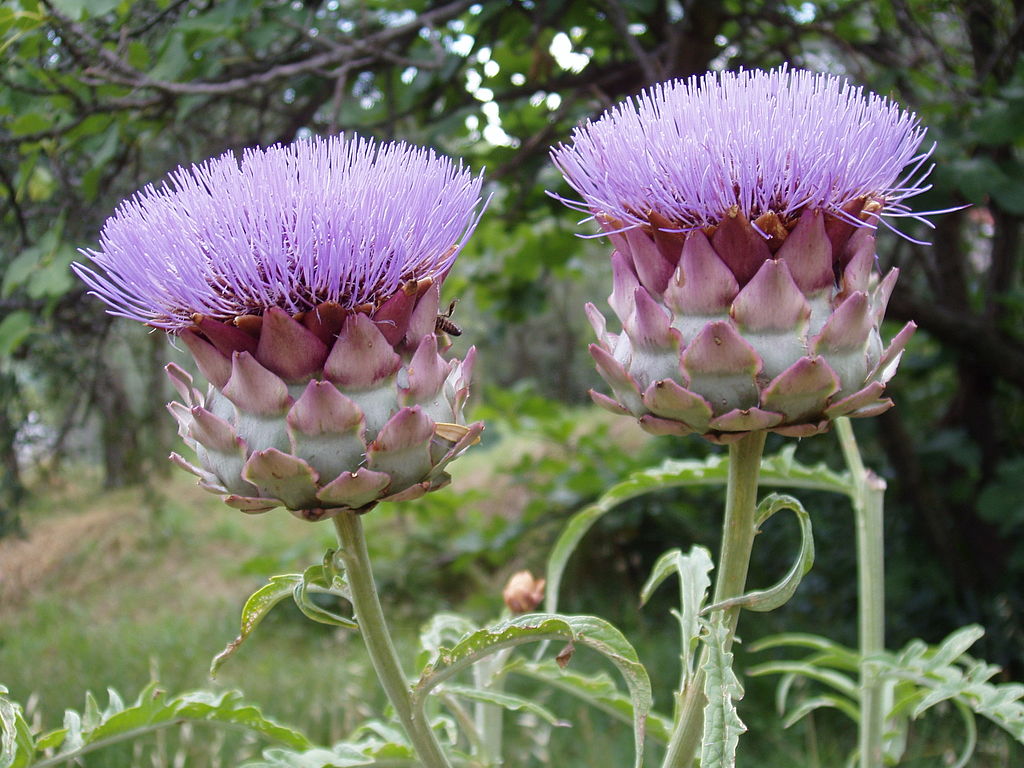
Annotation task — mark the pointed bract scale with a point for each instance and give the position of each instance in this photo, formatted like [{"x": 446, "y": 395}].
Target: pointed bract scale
[
  {"x": 808, "y": 254},
  {"x": 325, "y": 320},
  {"x": 858, "y": 271},
  {"x": 860, "y": 399},
  {"x": 802, "y": 390},
  {"x": 840, "y": 229},
  {"x": 228, "y": 339},
  {"x": 809, "y": 429},
  {"x": 655, "y": 425},
  {"x": 721, "y": 366},
  {"x": 392, "y": 317},
  {"x": 181, "y": 380},
  {"x": 423, "y": 320},
  {"x": 847, "y": 328},
  {"x": 361, "y": 357},
  {"x": 885, "y": 369},
  {"x": 251, "y": 505},
  {"x": 652, "y": 268},
  {"x": 609, "y": 404},
  {"x": 183, "y": 416},
  {"x": 354, "y": 490},
  {"x": 213, "y": 432},
  {"x": 624, "y": 285},
  {"x": 427, "y": 372},
  {"x": 191, "y": 468},
  {"x": 669, "y": 243},
  {"x": 740, "y": 246},
  {"x": 402, "y": 449},
  {"x": 443, "y": 451},
  {"x": 667, "y": 399},
  {"x": 414, "y": 491},
  {"x": 599, "y": 324},
  {"x": 746, "y": 420},
  {"x": 463, "y": 375},
  {"x": 281, "y": 476},
  {"x": 622, "y": 384},
  {"x": 702, "y": 284},
  {"x": 289, "y": 349},
  {"x": 870, "y": 411},
  {"x": 880, "y": 296},
  {"x": 650, "y": 326},
  {"x": 613, "y": 230},
  {"x": 771, "y": 301},
  {"x": 214, "y": 365},
  {"x": 255, "y": 389},
  {"x": 321, "y": 409}
]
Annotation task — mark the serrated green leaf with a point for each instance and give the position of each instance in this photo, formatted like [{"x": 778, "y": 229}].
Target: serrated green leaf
[
  {"x": 840, "y": 682},
  {"x": 722, "y": 724},
  {"x": 341, "y": 756},
  {"x": 693, "y": 570},
  {"x": 255, "y": 609},
  {"x": 599, "y": 691},
  {"x": 824, "y": 701},
  {"x": 505, "y": 700},
  {"x": 779, "y": 594},
  {"x": 322, "y": 580},
  {"x": 955, "y": 646},
  {"x": 443, "y": 629},
  {"x": 780, "y": 470},
  {"x": 587, "y": 631}
]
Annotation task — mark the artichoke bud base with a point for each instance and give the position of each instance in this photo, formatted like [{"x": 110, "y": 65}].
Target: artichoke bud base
[
  {"x": 771, "y": 324},
  {"x": 332, "y": 409}
]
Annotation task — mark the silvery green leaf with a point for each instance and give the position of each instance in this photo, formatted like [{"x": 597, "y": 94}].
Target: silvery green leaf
[
  {"x": 584, "y": 631},
  {"x": 777, "y": 595},
  {"x": 694, "y": 583},
  {"x": 722, "y": 724}
]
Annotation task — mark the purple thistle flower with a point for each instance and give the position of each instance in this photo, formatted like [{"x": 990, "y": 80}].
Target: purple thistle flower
[
  {"x": 305, "y": 281},
  {"x": 743, "y": 208},
  {"x": 335, "y": 220},
  {"x": 780, "y": 141}
]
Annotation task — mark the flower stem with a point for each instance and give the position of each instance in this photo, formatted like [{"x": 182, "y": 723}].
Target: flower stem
[
  {"x": 375, "y": 634},
  {"x": 868, "y": 505},
  {"x": 738, "y": 530}
]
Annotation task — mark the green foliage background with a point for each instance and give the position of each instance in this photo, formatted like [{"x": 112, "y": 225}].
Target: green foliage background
[{"x": 100, "y": 97}]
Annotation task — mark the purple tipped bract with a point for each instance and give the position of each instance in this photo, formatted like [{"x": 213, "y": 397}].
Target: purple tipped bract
[
  {"x": 779, "y": 141},
  {"x": 345, "y": 221}
]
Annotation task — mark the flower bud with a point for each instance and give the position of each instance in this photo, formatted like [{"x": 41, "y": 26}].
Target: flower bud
[
  {"x": 305, "y": 282},
  {"x": 523, "y": 593},
  {"x": 743, "y": 208}
]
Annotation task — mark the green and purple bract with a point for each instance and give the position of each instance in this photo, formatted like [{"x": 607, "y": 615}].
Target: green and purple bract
[{"x": 743, "y": 209}]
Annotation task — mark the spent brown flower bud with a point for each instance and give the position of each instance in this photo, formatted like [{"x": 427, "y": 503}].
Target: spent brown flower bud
[{"x": 523, "y": 593}]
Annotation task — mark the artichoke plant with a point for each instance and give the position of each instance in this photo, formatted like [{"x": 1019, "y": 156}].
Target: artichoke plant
[
  {"x": 743, "y": 209},
  {"x": 305, "y": 281}
]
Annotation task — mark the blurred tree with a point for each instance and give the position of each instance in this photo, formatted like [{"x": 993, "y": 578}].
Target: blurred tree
[{"x": 102, "y": 96}]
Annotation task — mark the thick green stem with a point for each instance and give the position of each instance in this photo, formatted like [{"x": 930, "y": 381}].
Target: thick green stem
[
  {"x": 738, "y": 532},
  {"x": 375, "y": 634},
  {"x": 868, "y": 507}
]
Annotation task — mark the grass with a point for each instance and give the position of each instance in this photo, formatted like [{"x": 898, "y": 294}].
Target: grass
[{"x": 115, "y": 589}]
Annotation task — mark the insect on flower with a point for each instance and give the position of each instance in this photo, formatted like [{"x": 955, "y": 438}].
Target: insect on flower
[{"x": 444, "y": 324}]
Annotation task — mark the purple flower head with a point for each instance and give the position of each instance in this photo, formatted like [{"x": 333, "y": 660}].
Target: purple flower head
[
  {"x": 346, "y": 221},
  {"x": 694, "y": 151}
]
